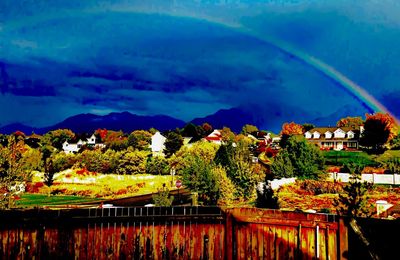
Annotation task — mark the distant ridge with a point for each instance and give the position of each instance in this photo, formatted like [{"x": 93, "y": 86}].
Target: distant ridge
[
  {"x": 234, "y": 118},
  {"x": 87, "y": 123}
]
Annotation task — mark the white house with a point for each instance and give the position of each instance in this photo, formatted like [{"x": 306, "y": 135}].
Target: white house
[
  {"x": 75, "y": 147},
  {"x": 157, "y": 144},
  {"x": 336, "y": 138},
  {"x": 70, "y": 148}
]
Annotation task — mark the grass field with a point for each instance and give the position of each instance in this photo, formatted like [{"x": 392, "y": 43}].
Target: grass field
[
  {"x": 33, "y": 200},
  {"x": 340, "y": 158}
]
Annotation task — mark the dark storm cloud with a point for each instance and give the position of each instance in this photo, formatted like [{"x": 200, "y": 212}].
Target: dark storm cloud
[{"x": 63, "y": 58}]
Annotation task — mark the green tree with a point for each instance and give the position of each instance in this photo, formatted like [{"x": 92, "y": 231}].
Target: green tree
[
  {"x": 62, "y": 161},
  {"x": 56, "y": 138},
  {"x": 227, "y": 189},
  {"x": 308, "y": 127},
  {"x": 162, "y": 197},
  {"x": 281, "y": 166},
  {"x": 172, "y": 144},
  {"x": 133, "y": 162},
  {"x": 353, "y": 201},
  {"x": 199, "y": 177},
  {"x": 157, "y": 165},
  {"x": 307, "y": 160},
  {"x": 140, "y": 139},
  {"x": 249, "y": 129},
  {"x": 49, "y": 172},
  {"x": 236, "y": 159}
]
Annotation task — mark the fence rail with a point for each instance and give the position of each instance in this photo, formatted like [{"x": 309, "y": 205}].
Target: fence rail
[{"x": 374, "y": 178}]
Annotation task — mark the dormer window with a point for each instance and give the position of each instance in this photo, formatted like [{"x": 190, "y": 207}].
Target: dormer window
[
  {"x": 339, "y": 133},
  {"x": 316, "y": 135},
  {"x": 328, "y": 135},
  {"x": 350, "y": 134},
  {"x": 308, "y": 135}
]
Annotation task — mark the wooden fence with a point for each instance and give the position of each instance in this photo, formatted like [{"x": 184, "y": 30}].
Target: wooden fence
[{"x": 171, "y": 233}]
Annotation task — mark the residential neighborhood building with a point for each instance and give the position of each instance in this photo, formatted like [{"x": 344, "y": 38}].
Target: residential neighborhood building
[
  {"x": 335, "y": 138},
  {"x": 92, "y": 141},
  {"x": 214, "y": 137},
  {"x": 158, "y": 144}
]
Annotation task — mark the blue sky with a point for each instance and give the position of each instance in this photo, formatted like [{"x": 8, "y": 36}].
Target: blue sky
[{"x": 189, "y": 59}]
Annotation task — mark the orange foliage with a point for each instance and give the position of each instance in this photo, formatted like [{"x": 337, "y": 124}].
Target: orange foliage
[
  {"x": 102, "y": 133},
  {"x": 354, "y": 122},
  {"x": 292, "y": 129},
  {"x": 387, "y": 120}
]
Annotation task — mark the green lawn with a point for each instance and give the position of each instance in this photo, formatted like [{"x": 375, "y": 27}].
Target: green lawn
[
  {"x": 32, "y": 200},
  {"x": 343, "y": 157}
]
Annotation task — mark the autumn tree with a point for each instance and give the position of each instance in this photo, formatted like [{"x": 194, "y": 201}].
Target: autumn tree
[
  {"x": 12, "y": 170},
  {"x": 353, "y": 122},
  {"x": 227, "y": 134},
  {"x": 289, "y": 129},
  {"x": 115, "y": 140},
  {"x": 249, "y": 129},
  {"x": 207, "y": 128},
  {"x": 292, "y": 129},
  {"x": 140, "y": 139},
  {"x": 379, "y": 129}
]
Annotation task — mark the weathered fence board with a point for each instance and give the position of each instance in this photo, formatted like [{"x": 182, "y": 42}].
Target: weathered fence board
[{"x": 170, "y": 233}]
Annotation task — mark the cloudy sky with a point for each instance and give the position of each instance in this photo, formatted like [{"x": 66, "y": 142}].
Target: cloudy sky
[{"x": 189, "y": 59}]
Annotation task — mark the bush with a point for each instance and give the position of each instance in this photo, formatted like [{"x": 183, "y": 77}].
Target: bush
[{"x": 313, "y": 187}]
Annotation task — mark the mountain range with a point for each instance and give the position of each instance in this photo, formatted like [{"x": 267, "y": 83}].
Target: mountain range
[{"x": 233, "y": 118}]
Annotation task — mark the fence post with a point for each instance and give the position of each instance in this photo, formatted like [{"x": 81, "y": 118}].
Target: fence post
[
  {"x": 228, "y": 235},
  {"x": 343, "y": 237}
]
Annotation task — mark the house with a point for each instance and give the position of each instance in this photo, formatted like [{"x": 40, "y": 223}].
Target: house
[
  {"x": 92, "y": 141},
  {"x": 334, "y": 138},
  {"x": 157, "y": 144},
  {"x": 214, "y": 137}
]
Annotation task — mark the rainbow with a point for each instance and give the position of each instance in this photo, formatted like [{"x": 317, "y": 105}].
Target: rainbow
[{"x": 353, "y": 88}]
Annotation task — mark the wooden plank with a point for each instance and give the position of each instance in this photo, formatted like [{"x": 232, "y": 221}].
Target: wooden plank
[
  {"x": 260, "y": 239},
  {"x": 332, "y": 245},
  {"x": 322, "y": 244},
  {"x": 304, "y": 243},
  {"x": 291, "y": 235},
  {"x": 254, "y": 241}
]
